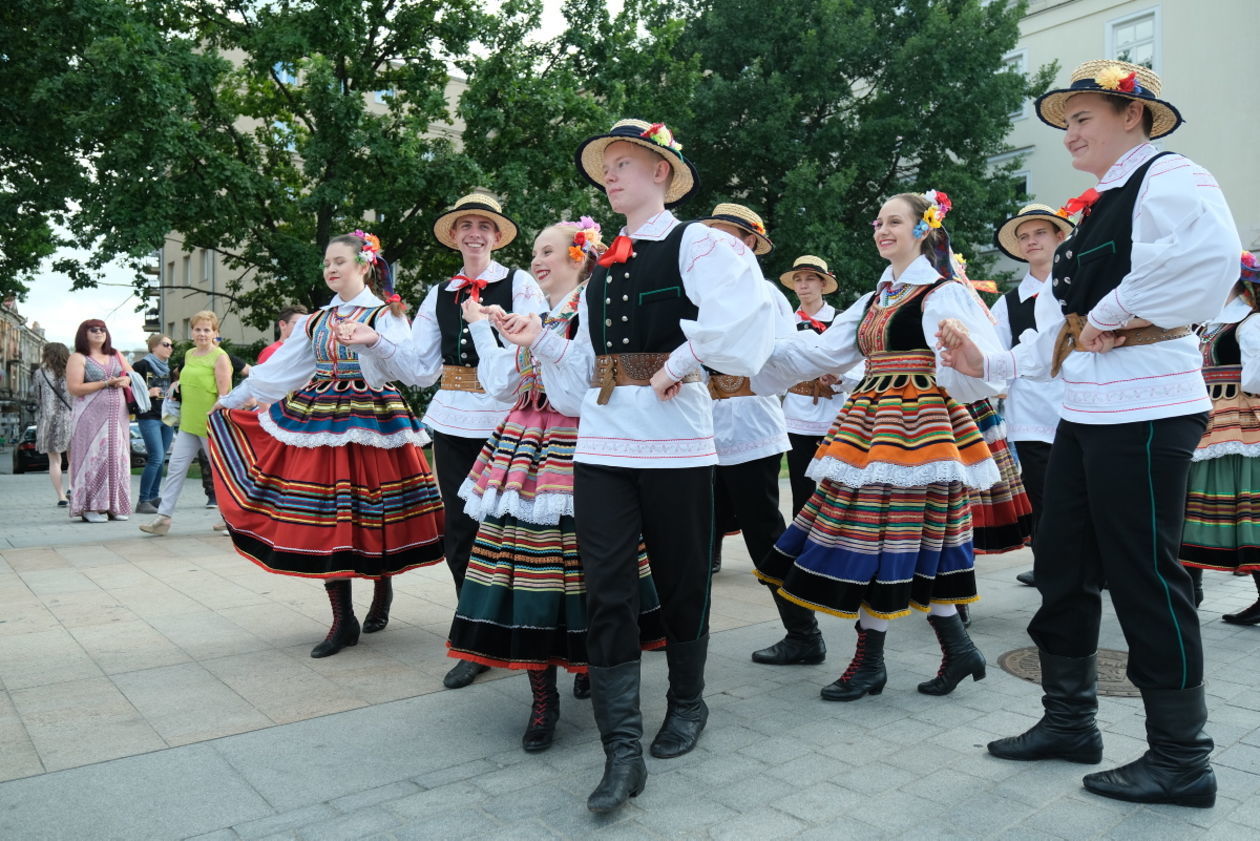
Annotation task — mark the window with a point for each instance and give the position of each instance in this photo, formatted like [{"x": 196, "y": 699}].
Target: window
[
  {"x": 169, "y": 280},
  {"x": 188, "y": 270},
  {"x": 1135, "y": 38},
  {"x": 1017, "y": 62},
  {"x": 187, "y": 332},
  {"x": 382, "y": 97},
  {"x": 207, "y": 265},
  {"x": 170, "y": 329},
  {"x": 286, "y": 73}
]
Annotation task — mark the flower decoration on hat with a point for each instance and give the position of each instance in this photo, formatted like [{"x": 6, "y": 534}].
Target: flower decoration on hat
[
  {"x": 1250, "y": 268},
  {"x": 586, "y": 241},
  {"x": 939, "y": 206},
  {"x": 1113, "y": 78},
  {"x": 371, "y": 250},
  {"x": 660, "y": 134}
]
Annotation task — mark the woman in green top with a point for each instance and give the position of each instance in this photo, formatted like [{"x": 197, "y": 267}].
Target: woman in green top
[{"x": 206, "y": 376}]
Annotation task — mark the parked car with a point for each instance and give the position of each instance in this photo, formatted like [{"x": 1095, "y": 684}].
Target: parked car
[
  {"x": 26, "y": 457},
  {"x": 139, "y": 453}
]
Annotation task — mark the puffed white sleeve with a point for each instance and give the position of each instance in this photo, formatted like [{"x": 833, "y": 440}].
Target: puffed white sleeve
[
  {"x": 732, "y": 332},
  {"x": 527, "y": 295},
  {"x": 806, "y": 355},
  {"x": 784, "y": 328},
  {"x": 496, "y": 366},
  {"x": 954, "y": 300},
  {"x": 1032, "y": 357},
  {"x": 1248, "y": 335},
  {"x": 391, "y": 328},
  {"x": 414, "y": 359},
  {"x": 288, "y": 368},
  {"x": 1001, "y": 315},
  {"x": 567, "y": 365}
]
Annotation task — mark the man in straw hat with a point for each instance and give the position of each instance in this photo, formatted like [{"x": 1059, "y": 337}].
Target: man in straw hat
[
  {"x": 1155, "y": 251},
  {"x": 1032, "y": 409},
  {"x": 667, "y": 298},
  {"x": 461, "y": 415}
]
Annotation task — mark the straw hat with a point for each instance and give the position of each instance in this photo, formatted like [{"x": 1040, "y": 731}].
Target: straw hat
[
  {"x": 474, "y": 204},
  {"x": 810, "y": 263},
  {"x": 654, "y": 136},
  {"x": 1006, "y": 238},
  {"x": 1115, "y": 78},
  {"x": 744, "y": 219}
]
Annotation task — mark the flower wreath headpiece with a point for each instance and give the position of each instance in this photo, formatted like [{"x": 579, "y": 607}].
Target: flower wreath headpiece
[
  {"x": 939, "y": 207},
  {"x": 1250, "y": 268},
  {"x": 371, "y": 254},
  {"x": 586, "y": 241}
]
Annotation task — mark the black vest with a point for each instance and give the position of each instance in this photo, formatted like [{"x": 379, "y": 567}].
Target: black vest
[
  {"x": 904, "y": 331},
  {"x": 1096, "y": 255},
  {"x": 457, "y": 343},
  {"x": 805, "y": 325},
  {"x": 1222, "y": 349},
  {"x": 1020, "y": 314},
  {"x": 636, "y": 306}
]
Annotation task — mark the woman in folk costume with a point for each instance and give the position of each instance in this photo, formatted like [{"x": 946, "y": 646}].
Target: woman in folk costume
[
  {"x": 330, "y": 481},
  {"x": 889, "y": 527},
  {"x": 523, "y": 604},
  {"x": 1222, "y": 528}
]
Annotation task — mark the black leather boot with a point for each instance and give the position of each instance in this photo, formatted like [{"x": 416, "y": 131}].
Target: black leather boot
[
  {"x": 961, "y": 657},
  {"x": 1196, "y": 579},
  {"x": 345, "y": 627},
  {"x": 581, "y": 686},
  {"x": 615, "y": 702},
  {"x": 964, "y": 614},
  {"x": 378, "y": 614},
  {"x": 866, "y": 673},
  {"x": 1067, "y": 729},
  {"x": 1175, "y": 769},
  {"x": 463, "y": 673},
  {"x": 1250, "y": 616},
  {"x": 1027, "y": 579},
  {"x": 686, "y": 712},
  {"x": 544, "y": 712},
  {"x": 803, "y": 643}
]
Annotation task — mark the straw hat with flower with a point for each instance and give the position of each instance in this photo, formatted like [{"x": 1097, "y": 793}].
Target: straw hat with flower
[
  {"x": 474, "y": 204},
  {"x": 654, "y": 136},
  {"x": 810, "y": 263},
  {"x": 1007, "y": 238},
  {"x": 744, "y": 219},
  {"x": 1113, "y": 78}
]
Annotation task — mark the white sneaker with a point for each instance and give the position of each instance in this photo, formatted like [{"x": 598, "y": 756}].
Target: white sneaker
[
  {"x": 94, "y": 517},
  {"x": 118, "y": 516}
]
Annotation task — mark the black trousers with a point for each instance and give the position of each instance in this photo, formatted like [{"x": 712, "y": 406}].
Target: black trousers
[
  {"x": 453, "y": 458},
  {"x": 1034, "y": 456},
  {"x": 799, "y": 457},
  {"x": 1114, "y": 505},
  {"x": 747, "y": 497},
  {"x": 672, "y": 511}
]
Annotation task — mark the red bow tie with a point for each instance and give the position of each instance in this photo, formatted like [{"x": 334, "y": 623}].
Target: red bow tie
[
  {"x": 466, "y": 282},
  {"x": 621, "y": 250},
  {"x": 811, "y": 321},
  {"x": 1083, "y": 202}
]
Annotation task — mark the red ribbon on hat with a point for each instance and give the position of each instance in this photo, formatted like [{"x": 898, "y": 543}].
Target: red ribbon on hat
[
  {"x": 465, "y": 282},
  {"x": 809, "y": 319},
  {"x": 1083, "y": 202},
  {"x": 621, "y": 250}
]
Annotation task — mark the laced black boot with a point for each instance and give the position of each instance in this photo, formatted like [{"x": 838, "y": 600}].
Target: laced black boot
[
  {"x": 1196, "y": 578},
  {"x": 1067, "y": 729},
  {"x": 615, "y": 702},
  {"x": 1250, "y": 616},
  {"x": 686, "y": 712},
  {"x": 961, "y": 657},
  {"x": 803, "y": 643},
  {"x": 581, "y": 686},
  {"x": 866, "y": 673},
  {"x": 544, "y": 712},
  {"x": 378, "y": 614},
  {"x": 345, "y": 627}
]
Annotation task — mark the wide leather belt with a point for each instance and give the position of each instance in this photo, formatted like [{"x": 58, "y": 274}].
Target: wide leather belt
[
  {"x": 812, "y": 388},
  {"x": 615, "y": 369},
  {"x": 723, "y": 386},
  {"x": 461, "y": 378},
  {"x": 1070, "y": 334}
]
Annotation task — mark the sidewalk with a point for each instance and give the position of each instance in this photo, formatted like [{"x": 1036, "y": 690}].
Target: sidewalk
[{"x": 162, "y": 688}]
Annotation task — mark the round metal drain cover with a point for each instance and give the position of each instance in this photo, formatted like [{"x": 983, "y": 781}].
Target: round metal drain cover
[{"x": 1024, "y": 663}]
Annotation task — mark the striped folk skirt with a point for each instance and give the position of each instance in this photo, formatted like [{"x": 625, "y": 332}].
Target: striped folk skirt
[
  {"x": 523, "y": 603},
  {"x": 889, "y": 526},
  {"x": 1002, "y": 514},
  {"x": 349, "y": 494}
]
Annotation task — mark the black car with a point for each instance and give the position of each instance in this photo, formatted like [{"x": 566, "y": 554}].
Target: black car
[
  {"x": 139, "y": 453},
  {"x": 26, "y": 457}
]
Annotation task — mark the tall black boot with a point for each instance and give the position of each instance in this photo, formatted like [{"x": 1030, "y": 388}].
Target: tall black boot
[
  {"x": 615, "y": 702},
  {"x": 544, "y": 712},
  {"x": 378, "y": 614},
  {"x": 686, "y": 712},
  {"x": 1067, "y": 729},
  {"x": 1175, "y": 769},
  {"x": 1196, "y": 578},
  {"x": 866, "y": 673},
  {"x": 1250, "y": 616},
  {"x": 803, "y": 643},
  {"x": 345, "y": 627},
  {"x": 961, "y": 657}
]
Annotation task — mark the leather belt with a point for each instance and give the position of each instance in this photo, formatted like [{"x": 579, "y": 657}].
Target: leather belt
[
  {"x": 723, "y": 386},
  {"x": 814, "y": 389},
  {"x": 461, "y": 378},
  {"x": 1070, "y": 334},
  {"x": 614, "y": 369}
]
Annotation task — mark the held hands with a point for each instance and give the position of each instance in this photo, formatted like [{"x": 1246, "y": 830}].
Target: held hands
[
  {"x": 356, "y": 333},
  {"x": 829, "y": 379},
  {"x": 1097, "y": 341},
  {"x": 519, "y": 328},
  {"x": 473, "y": 311},
  {"x": 665, "y": 386},
  {"x": 957, "y": 349},
  {"x": 119, "y": 382}
]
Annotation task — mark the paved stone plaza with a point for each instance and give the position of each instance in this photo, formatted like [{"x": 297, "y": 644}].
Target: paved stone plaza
[{"x": 161, "y": 688}]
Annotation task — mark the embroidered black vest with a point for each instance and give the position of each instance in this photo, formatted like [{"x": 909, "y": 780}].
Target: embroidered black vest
[
  {"x": 636, "y": 306},
  {"x": 1096, "y": 255},
  {"x": 897, "y": 327},
  {"x": 1220, "y": 346},
  {"x": 457, "y": 342},
  {"x": 1020, "y": 314}
]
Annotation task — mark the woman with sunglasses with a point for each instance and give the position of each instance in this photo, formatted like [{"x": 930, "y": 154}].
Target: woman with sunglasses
[
  {"x": 156, "y": 370},
  {"x": 100, "y": 444}
]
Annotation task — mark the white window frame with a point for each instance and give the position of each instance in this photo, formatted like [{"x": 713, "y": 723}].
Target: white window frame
[
  {"x": 1025, "y": 106},
  {"x": 207, "y": 266},
  {"x": 283, "y": 72},
  {"x": 1157, "y": 51}
]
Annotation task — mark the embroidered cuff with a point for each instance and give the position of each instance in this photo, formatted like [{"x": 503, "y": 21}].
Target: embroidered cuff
[
  {"x": 1109, "y": 314},
  {"x": 549, "y": 347},
  {"x": 681, "y": 362},
  {"x": 382, "y": 349},
  {"x": 1000, "y": 366}
]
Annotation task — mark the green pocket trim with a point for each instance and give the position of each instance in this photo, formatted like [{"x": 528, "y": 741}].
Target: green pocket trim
[
  {"x": 643, "y": 296},
  {"x": 1110, "y": 245}
]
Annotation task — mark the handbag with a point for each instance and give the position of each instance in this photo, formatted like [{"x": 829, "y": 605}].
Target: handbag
[
  {"x": 137, "y": 394},
  {"x": 170, "y": 407}
]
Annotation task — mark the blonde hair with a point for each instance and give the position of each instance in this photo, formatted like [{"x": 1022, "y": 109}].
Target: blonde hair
[
  {"x": 569, "y": 229},
  {"x": 204, "y": 315},
  {"x": 153, "y": 341}
]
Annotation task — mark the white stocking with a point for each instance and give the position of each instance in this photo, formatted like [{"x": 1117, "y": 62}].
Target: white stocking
[
  {"x": 944, "y": 609},
  {"x": 871, "y": 623}
]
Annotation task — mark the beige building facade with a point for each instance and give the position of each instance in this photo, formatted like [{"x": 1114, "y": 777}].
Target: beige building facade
[
  {"x": 21, "y": 350},
  {"x": 1204, "y": 54}
]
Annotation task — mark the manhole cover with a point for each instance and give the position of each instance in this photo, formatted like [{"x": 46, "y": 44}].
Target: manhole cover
[{"x": 1024, "y": 663}]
